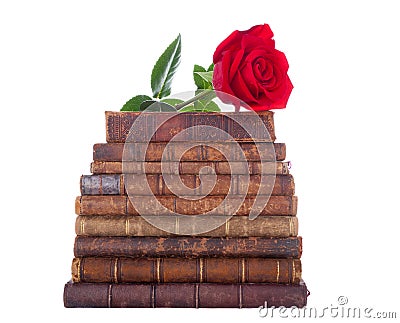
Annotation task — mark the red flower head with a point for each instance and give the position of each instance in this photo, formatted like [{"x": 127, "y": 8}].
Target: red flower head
[{"x": 248, "y": 66}]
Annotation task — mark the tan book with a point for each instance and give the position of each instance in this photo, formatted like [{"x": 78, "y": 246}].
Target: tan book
[{"x": 238, "y": 226}]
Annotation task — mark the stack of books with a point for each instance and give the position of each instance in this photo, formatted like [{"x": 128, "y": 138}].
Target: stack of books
[{"x": 164, "y": 223}]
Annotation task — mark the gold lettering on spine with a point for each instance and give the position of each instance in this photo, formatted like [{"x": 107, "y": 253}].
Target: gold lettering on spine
[
  {"x": 291, "y": 231},
  {"x": 127, "y": 226},
  {"x": 79, "y": 269},
  {"x": 227, "y": 228},
  {"x": 116, "y": 270},
  {"x": 294, "y": 270},
  {"x": 158, "y": 268},
  {"x": 201, "y": 265},
  {"x": 277, "y": 271},
  {"x": 82, "y": 226}
]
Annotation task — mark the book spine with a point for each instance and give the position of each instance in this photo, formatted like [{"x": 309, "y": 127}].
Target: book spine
[
  {"x": 220, "y": 168},
  {"x": 201, "y": 152},
  {"x": 114, "y": 184},
  {"x": 181, "y": 246},
  {"x": 184, "y": 295},
  {"x": 185, "y": 270},
  {"x": 240, "y": 226},
  {"x": 119, "y": 124},
  {"x": 121, "y": 205}
]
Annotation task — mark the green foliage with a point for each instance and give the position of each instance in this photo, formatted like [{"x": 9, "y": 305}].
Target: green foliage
[
  {"x": 165, "y": 69},
  {"x": 134, "y": 103}
]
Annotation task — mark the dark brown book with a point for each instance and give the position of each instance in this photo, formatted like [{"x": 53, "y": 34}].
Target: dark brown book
[
  {"x": 188, "y": 167},
  {"x": 185, "y": 295},
  {"x": 178, "y": 152},
  {"x": 185, "y": 270},
  {"x": 167, "y": 125},
  {"x": 116, "y": 184},
  {"x": 238, "y": 226},
  {"x": 183, "y": 246},
  {"x": 148, "y": 205}
]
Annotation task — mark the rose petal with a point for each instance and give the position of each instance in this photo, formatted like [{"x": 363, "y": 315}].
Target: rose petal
[
  {"x": 235, "y": 63},
  {"x": 232, "y": 42},
  {"x": 241, "y": 90}
]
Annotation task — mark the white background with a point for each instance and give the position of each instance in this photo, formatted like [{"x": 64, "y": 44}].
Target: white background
[{"x": 63, "y": 63}]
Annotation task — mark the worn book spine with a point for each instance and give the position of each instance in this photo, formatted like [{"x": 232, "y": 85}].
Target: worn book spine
[
  {"x": 115, "y": 184},
  {"x": 189, "y": 295},
  {"x": 185, "y": 270},
  {"x": 219, "y": 168},
  {"x": 240, "y": 226},
  {"x": 178, "y": 152},
  {"x": 182, "y": 246},
  {"x": 119, "y": 124},
  {"x": 150, "y": 205}
]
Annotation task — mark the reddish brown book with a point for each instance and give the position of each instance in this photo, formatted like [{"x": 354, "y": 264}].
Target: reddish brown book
[
  {"x": 183, "y": 246},
  {"x": 118, "y": 125},
  {"x": 186, "y": 270},
  {"x": 238, "y": 226},
  {"x": 121, "y": 205},
  {"x": 179, "y": 152},
  {"x": 185, "y": 295},
  {"x": 116, "y": 184},
  {"x": 188, "y": 167}
]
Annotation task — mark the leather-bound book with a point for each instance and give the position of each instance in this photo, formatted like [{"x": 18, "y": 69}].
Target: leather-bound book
[
  {"x": 186, "y": 270},
  {"x": 190, "y": 167},
  {"x": 167, "y": 125},
  {"x": 115, "y": 184},
  {"x": 177, "y": 151},
  {"x": 238, "y": 226},
  {"x": 183, "y": 246},
  {"x": 192, "y": 295},
  {"x": 157, "y": 205}
]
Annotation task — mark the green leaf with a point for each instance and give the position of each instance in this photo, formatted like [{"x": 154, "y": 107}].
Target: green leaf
[
  {"x": 211, "y": 107},
  {"x": 198, "y": 80},
  {"x": 156, "y": 106},
  {"x": 206, "y": 76},
  {"x": 172, "y": 101},
  {"x": 165, "y": 68},
  {"x": 134, "y": 103},
  {"x": 211, "y": 68},
  {"x": 201, "y": 107}
]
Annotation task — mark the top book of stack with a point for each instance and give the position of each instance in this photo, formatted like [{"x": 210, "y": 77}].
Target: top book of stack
[{"x": 118, "y": 126}]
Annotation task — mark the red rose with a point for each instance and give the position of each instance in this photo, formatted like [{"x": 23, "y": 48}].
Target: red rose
[{"x": 248, "y": 66}]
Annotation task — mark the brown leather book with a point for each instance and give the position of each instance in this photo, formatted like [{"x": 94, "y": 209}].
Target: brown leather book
[
  {"x": 185, "y": 270},
  {"x": 185, "y": 295},
  {"x": 118, "y": 125},
  {"x": 121, "y": 205},
  {"x": 238, "y": 226},
  {"x": 221, "y": 168},
  {"x": 179, "y": 152},
  {"x": 115, "y": 184},
  {"x": 183, "y": 246}
]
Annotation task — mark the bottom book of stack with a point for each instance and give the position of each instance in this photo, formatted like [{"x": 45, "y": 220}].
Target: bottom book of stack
[{"x": 179, "y": 271}]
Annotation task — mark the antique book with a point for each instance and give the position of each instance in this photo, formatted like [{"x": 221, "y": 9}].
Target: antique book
[
  {"x": 116, "y": 184},
  {"x": 166, "y": 125},
  {"x": 186, "y": 270},
  {"x": 238, "y": 226},
  {"x": 194, "y": 295},
  {"x": 164, "y": 205},
  {"x": 177, "y": 151},
  {"x": 190, "y": 167},
  {"x": 183, "y": 246}
]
